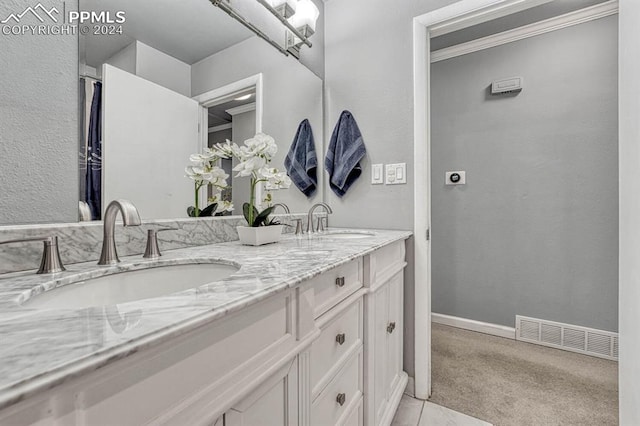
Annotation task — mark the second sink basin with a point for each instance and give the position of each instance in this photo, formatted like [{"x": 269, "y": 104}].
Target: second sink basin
[{"x": 129, "y": 286}]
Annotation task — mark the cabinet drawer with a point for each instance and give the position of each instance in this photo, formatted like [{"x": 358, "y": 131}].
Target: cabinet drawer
[
  {"x": 336, "y": 402},
  {"x": 341, "y": 336},
  {"x": 334, "y": 285}
]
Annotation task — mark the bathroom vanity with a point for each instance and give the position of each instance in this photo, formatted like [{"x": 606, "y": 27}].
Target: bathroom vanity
[{"x": 307, "y": 331}]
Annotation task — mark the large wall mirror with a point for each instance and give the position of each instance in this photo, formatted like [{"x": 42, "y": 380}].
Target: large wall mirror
[{"x": 126, "y": 104}]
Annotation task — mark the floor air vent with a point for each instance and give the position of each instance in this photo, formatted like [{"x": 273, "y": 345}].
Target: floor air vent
[{"x": 588, "y": 341}]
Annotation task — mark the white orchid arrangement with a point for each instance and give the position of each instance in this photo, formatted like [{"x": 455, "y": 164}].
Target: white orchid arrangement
[
  {"x": 204, "y": 170},
  {"x": 254, "y": 158}
]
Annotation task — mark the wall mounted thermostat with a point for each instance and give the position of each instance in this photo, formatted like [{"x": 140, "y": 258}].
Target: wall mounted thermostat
[{"x": 455, "y": 178}]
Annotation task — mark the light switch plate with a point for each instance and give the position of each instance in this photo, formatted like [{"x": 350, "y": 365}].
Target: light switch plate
[
  {"x": 377, "y": 178},
  {"x": 396, "y": 174}
]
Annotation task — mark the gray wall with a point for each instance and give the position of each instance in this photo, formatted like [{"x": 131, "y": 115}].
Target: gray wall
[
  {"x": 163, "y": 69},
  {"x": 535, "y": 231},
  {"x": 369, "y": 71},
  {"x": 629, "y": 152},
  {"x": 39, "y": 87},
  {"x": 220, "y": 136}
]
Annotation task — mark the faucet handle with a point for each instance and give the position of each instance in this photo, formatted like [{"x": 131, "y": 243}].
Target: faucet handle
[
  {"x": 51, "y": 262},
  {"x": 153, "y": 249},
  {"x": 299, "y": 230},
  {"x": 321, "y": 223}
]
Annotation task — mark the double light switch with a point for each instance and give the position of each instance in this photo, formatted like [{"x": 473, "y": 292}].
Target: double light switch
[{"x": 393, "y": 174}]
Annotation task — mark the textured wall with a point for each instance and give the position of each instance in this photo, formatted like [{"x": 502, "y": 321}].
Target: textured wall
[
  {"x": 534, "y": 231},
  {"x": 38, "y": 123},
  {"x": 369, "y": 71},
  {"x": 629, "y": 50}
]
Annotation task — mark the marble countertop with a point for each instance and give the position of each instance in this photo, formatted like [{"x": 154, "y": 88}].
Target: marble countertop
[{"x": 41, "y": 348}]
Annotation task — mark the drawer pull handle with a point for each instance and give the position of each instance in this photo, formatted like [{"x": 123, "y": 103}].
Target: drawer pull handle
[
  {"x": 341, "y": 398},
  {"x": 340, "y": 338},
  {"x": 391, "y": 327},
  {"x": 340, "y": 281}
]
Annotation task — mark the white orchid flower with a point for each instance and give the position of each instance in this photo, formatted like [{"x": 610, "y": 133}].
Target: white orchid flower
[
  {"x": 250, "y": 166},
  {"x": 225, "y": 206},
  {"x": 226, "y": 149},
  {"x": 275, "y": 178},
  {"x": 194, "y": 172},
  {"x": 218, "y": 177}
]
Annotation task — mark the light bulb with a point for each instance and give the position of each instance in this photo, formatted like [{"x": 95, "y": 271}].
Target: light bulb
[
  {"x": 286, "y": 8},
  {"x": 306, "y": 14}
]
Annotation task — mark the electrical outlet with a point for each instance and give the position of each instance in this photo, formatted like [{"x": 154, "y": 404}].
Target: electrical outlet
[{"x": 396, "y": 174}]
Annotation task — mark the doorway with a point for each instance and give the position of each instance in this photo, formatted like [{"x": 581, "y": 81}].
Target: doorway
[
  {"x": 443, "y": 21},
  {"x": 232, "y": 112}
]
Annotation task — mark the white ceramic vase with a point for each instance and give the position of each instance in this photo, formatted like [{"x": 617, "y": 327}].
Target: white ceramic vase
[{"x": 257, "y": 236}]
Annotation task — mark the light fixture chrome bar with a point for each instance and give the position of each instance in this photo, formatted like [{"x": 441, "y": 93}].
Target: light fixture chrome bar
[
  {"x": 235, "y": 15},
  {"x": 286, "y": 23}
]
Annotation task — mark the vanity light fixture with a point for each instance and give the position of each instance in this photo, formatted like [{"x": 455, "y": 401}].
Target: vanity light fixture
[
  {"x": 304, "y": 21},
  {"x": 298, "y": 16},
  {"x": 285, "y": 8}
]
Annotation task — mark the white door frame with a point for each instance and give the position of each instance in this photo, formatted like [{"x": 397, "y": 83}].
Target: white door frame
[
  {"x": 442, "y": 21},
  {"x": 213, "y": 97}
]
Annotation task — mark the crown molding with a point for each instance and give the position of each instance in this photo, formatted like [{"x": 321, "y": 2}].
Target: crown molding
[
  {"x": 581, "y": 16},
  {"x": 241, "y": 109}
]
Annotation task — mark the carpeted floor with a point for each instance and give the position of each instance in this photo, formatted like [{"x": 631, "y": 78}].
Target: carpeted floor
[{"x": 511, "y": 383}]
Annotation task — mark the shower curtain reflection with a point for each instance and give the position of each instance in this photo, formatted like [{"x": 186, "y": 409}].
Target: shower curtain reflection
[{"x": 91, "y": 151}]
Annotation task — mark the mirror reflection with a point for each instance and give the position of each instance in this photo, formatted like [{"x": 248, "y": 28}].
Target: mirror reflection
[
  {"x": 140, "y": 122},
  {"x": 147, "y": 96}
]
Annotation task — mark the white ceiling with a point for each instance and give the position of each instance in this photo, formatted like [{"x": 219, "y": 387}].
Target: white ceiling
[{"x": 189, "y": 30}]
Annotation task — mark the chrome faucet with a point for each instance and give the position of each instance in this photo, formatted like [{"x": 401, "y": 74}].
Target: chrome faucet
[
  {"x": 51, "y": 262},
  {"x": 130, "y": 217},
  {"x": 284, "y": 207},
  {"x": 310, "y": 228}
]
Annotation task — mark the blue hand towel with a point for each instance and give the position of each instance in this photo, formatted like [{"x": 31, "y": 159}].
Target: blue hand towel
[
  {"x": 346, "y": 149},
  {"x": 301, "y": 162}
]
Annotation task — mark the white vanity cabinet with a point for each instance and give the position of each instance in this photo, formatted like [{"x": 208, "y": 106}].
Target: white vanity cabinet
[
  {"x": 386, "y": 380},
  {"x": 325, "y": 352},
  {"x": 273, "y": 403}
]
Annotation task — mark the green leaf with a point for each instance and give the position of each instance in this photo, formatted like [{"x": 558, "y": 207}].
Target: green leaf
[
  {"x": 273, "y": 222},
  {"x": 208, "y": 211},
  {"x": 191, "y": 211},
  {"x": 262, "y": 217},
  {"x": 245, "y": 212}
]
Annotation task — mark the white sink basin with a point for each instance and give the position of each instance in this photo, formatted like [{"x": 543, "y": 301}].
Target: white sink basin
[
  {"x": 130, "y": 286},
  {"x": 351, "y": 235}
]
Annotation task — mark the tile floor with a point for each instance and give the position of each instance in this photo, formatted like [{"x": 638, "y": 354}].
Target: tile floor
[{"x": 414, "y": 412}]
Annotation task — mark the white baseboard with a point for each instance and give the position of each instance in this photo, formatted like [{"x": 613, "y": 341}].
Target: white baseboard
[{"x": 473, "y": 325}]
